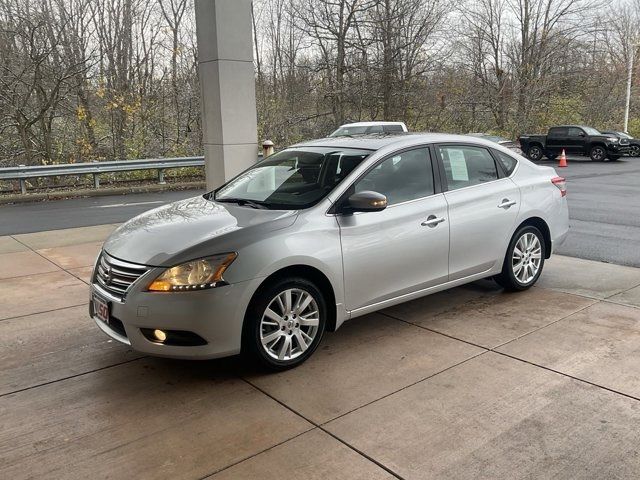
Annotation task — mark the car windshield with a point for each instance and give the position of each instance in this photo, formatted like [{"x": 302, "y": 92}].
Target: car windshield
[
  {"x": 346, "y": 131},
  {"x": 591, "y": 131},
  {"x": 292, "y": 179}
]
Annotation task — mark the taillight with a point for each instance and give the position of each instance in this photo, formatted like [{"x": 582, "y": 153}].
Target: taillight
[{"x": 561, "y": 183}]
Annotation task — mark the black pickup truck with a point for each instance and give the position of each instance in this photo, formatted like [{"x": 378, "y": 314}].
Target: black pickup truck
[{"x": 573, "y": 139}]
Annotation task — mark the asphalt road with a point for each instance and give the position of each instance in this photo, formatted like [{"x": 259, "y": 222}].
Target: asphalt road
[
  {"x": 604, "y": 211},
  {"x": 82, "y": 212},
  {"x": 604, "y": 206}
]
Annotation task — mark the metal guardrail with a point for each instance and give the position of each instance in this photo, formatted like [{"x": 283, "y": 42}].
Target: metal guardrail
[{"x": 22, "y": 173}]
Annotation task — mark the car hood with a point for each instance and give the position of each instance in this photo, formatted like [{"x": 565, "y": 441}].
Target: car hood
[{"x": 188, "y": 229}]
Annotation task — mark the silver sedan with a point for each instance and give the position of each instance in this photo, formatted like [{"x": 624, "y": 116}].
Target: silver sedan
[{"x": 320, "y": 233}]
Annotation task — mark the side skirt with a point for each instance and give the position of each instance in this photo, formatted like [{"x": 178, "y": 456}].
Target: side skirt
[{"x": 420, "y": 293}]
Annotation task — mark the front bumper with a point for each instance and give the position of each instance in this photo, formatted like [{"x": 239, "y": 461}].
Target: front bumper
[
  {"x": 216, "y": 315},
  {"x": 617, "y": 149}
]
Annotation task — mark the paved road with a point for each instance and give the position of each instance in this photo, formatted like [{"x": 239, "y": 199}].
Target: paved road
[
  {"x": 604, "y": 210},
  {"x": 82, "y": 212},
  {"x": 604, "y": 201}
]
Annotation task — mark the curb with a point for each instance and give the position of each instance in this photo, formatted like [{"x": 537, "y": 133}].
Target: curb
[{"x": 98, "y": 192}]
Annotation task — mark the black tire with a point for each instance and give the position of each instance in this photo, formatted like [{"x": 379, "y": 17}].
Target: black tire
[
  {"x": 598, "y": 154},
  {"x": 507, "y": 278},
  {"x": 253, "y": 327},
  {"x": 535, "y": 153}
]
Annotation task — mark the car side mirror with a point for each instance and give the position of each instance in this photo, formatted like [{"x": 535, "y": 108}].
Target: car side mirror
[{"x": 366, "y": 201}]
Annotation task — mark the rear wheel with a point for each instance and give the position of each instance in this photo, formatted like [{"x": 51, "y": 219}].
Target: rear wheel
[
  {"x": 285, "y": 323},
  {"x": 523, "y": 261},
  {"x": 535, "y": 153},
  {"x": 598, "y": 154}
]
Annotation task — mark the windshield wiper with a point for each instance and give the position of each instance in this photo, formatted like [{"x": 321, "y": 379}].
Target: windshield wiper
[{"x": 243, "y": 201}]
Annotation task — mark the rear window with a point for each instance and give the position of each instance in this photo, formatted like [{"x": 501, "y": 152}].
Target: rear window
[
  {"x": 508, "y": 162},
  {"x": 346, "y": 131},
  {"x": 393, "y": 128}
]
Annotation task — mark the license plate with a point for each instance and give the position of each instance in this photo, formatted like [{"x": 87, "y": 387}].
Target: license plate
[{"x": 101, "y": 308}]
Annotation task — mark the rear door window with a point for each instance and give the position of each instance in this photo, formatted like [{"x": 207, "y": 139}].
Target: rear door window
[
  {"x": 466, "y": 166},
  {"x": 558, "y": 132},
  {"x": 508, "y": 162}
]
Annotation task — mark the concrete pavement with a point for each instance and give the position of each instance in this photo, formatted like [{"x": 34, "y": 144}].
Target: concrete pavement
[{"x": 468, "y": 383}]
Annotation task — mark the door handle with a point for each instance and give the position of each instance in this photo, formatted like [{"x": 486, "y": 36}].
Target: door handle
[
  {"x": 506, "y": 203},
  {"x": 432, "y": 221}
]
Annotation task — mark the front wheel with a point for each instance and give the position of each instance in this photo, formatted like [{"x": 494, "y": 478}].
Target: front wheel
[
  {"x": 284, "y": 323},
  {"x": 523, "y": 261},
  {"x": 634, "y": 151},
  {"x": 598, "y": 154}
]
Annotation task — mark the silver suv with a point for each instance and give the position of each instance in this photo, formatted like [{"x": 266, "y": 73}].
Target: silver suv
[{"x": 320, "y": 233}]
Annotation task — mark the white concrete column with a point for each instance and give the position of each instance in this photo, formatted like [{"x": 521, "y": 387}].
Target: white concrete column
[{"x": 227, "y": 83}]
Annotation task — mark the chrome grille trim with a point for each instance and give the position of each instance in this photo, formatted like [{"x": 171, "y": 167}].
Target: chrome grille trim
[{"x": 116, "y": 276}]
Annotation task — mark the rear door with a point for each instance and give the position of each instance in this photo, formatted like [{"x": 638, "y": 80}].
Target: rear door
[
  {"x": 557, "y": 139},
  {"x": 483, "y": 206},
  {"x": 403, "y": 248}
]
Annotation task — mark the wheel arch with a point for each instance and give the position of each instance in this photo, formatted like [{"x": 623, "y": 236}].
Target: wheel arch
[
  {"x": 312, "y": 274},
  {"x": 541, "y": 225}
]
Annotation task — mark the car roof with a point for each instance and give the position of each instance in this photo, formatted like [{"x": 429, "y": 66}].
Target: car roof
[
  {"x": 369, "y": 124},
  {"x": 400, "y": 140}
]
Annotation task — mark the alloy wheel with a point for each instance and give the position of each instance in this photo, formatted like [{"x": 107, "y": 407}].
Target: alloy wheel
[
  {"x": 535, "y": 153},
  {"x": 526, "y": 258},
  {"x": 289, "y": 324},
  {"x": 597, "y": 154},
  {"x": 635, "y": 151}
]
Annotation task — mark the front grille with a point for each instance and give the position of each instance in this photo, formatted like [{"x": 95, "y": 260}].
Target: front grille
[{"x": 116, "y": 276}]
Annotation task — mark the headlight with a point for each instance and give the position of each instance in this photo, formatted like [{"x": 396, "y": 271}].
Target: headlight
[
  {"x": 613, "y": 139},
  {"x": 195, "y": 275}
]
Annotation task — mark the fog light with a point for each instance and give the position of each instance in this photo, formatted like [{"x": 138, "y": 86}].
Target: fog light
[{"x": 160, "y": 335}]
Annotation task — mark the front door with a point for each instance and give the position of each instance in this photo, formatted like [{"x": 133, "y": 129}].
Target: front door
[
  {"x": 575, "y": 140},
  {"x": 403, "y": 248},
  {"x": 482, "y": 209}
]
